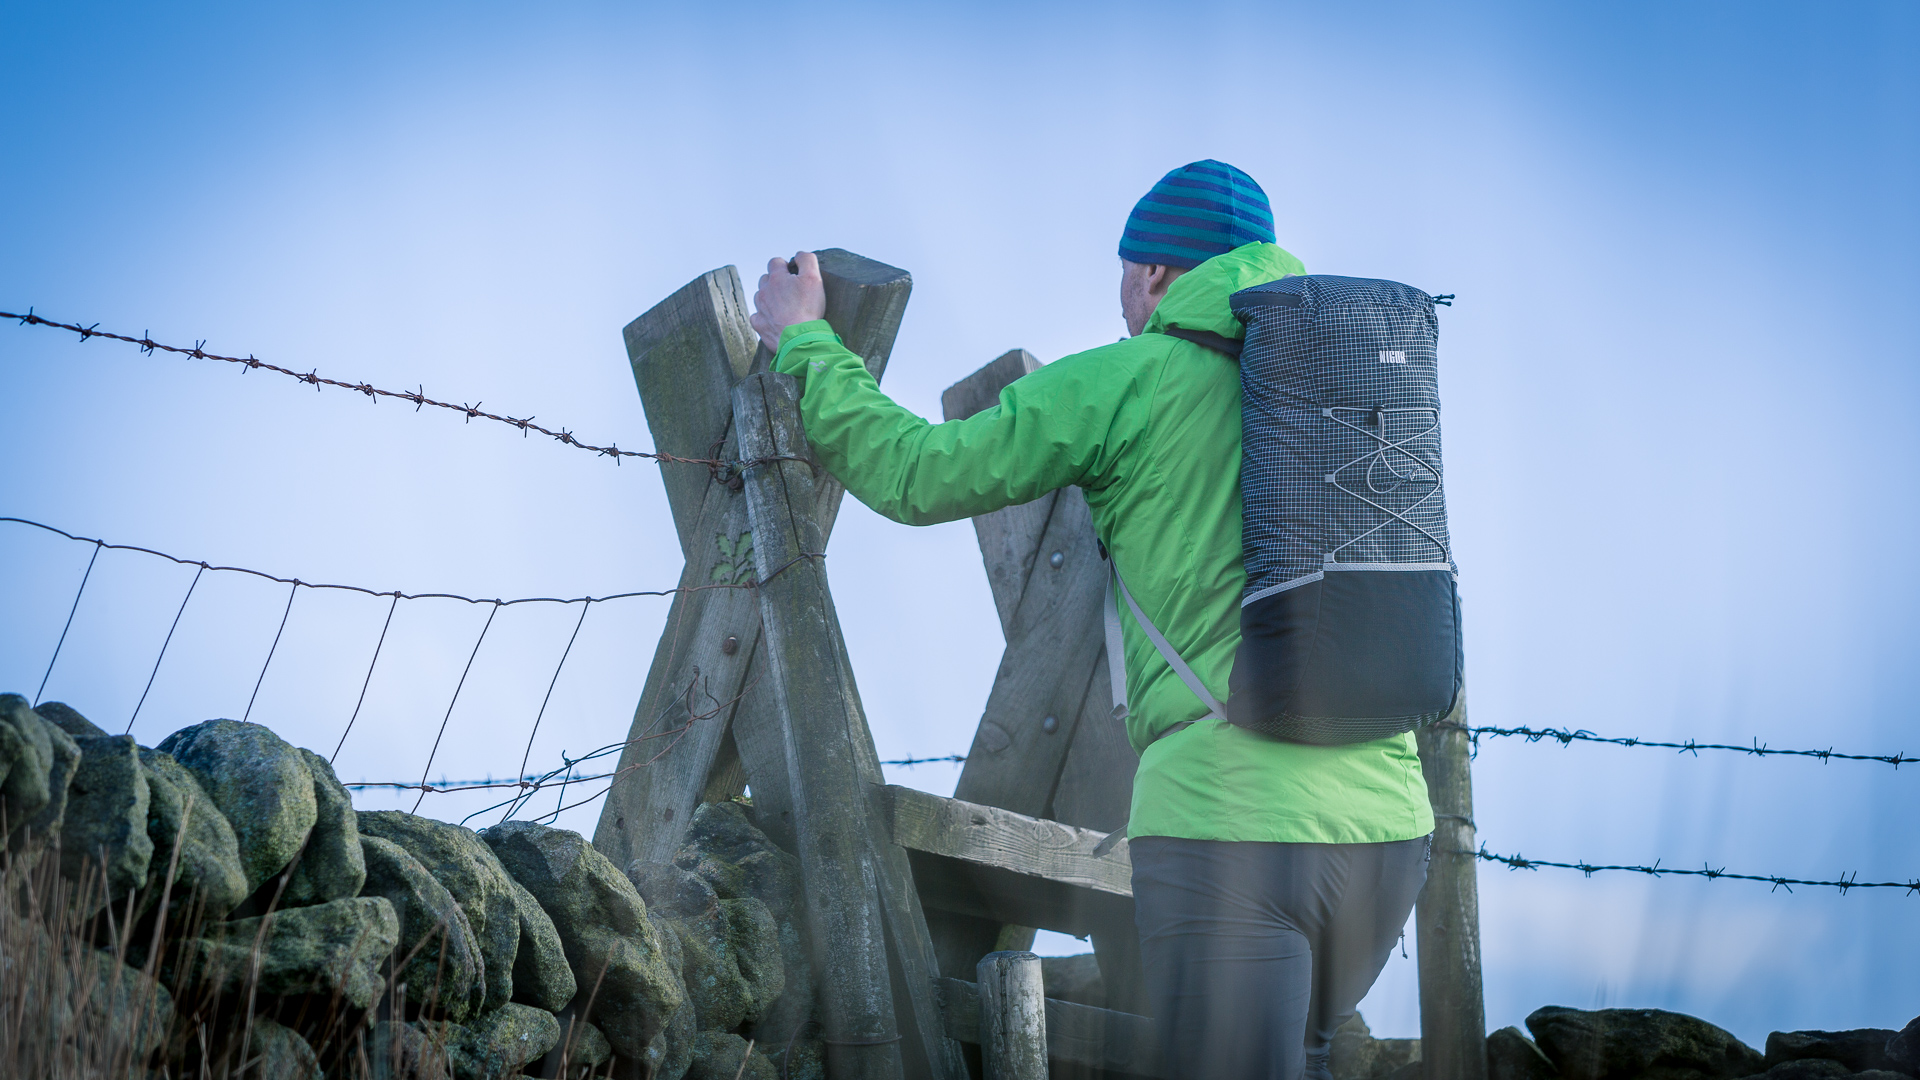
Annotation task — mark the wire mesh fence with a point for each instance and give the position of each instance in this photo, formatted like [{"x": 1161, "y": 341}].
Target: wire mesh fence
[{"x": 568, "y": 780}]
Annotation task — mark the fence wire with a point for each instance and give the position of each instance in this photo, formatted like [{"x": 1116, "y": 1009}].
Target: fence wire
[
  {"x": 1565, "y": 737},
  {"x": 400, "y": 595},
  {"x": 1844, "y": 883},
  {"x": 418, "y": 396},
  {"x": 525, "y": 786}
]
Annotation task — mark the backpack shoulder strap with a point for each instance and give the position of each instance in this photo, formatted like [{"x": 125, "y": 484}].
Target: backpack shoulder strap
[
  {"x": 1207, "y": 339},
  {"x": 1117, "y": 652}
]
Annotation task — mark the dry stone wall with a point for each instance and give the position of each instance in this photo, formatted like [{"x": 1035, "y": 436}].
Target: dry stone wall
[
  {"x": 1643, "y": 1044},
  {"x": 235, "y": 892},
  {"x": 241, "y": 911}
]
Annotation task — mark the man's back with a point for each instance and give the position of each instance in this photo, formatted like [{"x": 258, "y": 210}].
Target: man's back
[
  {"x": 1270, "y": 878},
  {"x": 1149, "y": 428}
]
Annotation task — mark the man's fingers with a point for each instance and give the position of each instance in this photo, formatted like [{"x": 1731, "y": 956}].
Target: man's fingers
[
  {"x": 776, "y": 265},
  {"x": 807, "y": 264}
]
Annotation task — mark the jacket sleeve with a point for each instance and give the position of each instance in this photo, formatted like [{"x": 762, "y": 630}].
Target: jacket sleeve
[{"x": 1064, "y": 424}]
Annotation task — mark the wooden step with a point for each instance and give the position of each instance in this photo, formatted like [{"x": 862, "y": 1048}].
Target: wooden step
[{"x": 984, "y": 861}]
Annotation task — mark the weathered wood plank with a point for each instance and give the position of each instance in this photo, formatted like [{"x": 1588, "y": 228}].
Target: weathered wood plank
[
  {"x": 829, "y": 808},
  {"x": 872, "y": 960},
  {"x": 687, "y": 353},
  {"x": 1078, "y": 1034},
  {"x": 1093, "y": 785},
  {"x": 866, "y": 300},
  {"x": 1048, "y": 649},
  {"x": 980, "y": 391},
  {"x": 984, "y": 866},
  {"x": 689, "y": 698},
  {"x": 1013, "y": 1016},
  {"x": 1453, "y": 1017},
  {"x": 1000, "y": 839},
  {"x": 1006, "y": 898},
  {"x": 1095, "y": 790},
  {"x": 1009, "y": 537},
  {"x": 1054, "y": 642}
]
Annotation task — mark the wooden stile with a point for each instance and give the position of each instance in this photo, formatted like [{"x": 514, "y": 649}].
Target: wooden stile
[{"x": 753, "y": 688}]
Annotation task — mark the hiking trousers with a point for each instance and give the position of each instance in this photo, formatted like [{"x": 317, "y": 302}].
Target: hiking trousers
[{"x": 1255, "y": 952}]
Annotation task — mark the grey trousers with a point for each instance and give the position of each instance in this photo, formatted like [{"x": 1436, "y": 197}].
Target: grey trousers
[{"x": 1255, "y": 952}]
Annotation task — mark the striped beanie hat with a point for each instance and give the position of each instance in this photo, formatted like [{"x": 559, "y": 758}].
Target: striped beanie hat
[{"x": 1195, "y": 212}]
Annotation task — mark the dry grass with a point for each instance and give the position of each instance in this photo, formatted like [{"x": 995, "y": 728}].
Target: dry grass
[
  {"x": 69, "y": 1009},
  {"x": 81, "y": 997}
]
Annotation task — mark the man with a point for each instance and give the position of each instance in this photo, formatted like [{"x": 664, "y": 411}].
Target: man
[{"x": 1270, "y": 878}]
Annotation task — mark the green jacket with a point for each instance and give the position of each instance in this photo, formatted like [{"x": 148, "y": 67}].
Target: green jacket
[{"x": 1149, "y": 428}]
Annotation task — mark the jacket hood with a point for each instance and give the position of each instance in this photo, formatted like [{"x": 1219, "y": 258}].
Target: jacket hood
[{"x": 1199, "y": 299}]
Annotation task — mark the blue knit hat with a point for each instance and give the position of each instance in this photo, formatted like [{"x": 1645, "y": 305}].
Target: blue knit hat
[{"x": 1195, "y": 212}]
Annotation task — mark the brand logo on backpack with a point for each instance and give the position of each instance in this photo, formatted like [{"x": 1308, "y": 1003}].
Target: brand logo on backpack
[{"x": 1393, "y": 356}]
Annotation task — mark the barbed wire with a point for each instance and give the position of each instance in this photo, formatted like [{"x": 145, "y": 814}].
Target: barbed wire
[
  {"x": 418, "y": 397},
  {"x": 530, "y": 780},
  {"x": 910, "y": 762},
  {"x": 1846, "y": 881},
  {"x": 1565, "y": 737}
]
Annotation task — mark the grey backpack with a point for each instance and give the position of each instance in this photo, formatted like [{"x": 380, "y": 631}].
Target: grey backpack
[{"x": 1350, "y": 623}]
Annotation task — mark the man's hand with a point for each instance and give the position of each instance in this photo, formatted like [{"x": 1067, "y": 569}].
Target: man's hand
[{"x": 790, "y": 292}]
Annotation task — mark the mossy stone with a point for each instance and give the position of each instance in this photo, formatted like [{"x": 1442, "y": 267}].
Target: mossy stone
[
  {"x": 471, "y": 872},
  {"x": 446, "y": 971},
  {"x": 336, "y": 947},
  {"x": 612, "y": 947},
  {"x": 207, "y": 875},
  {"x": 104, "y": 833},
  {"x": 331, "y": 866},
  {"x": 259, "y": 782}
]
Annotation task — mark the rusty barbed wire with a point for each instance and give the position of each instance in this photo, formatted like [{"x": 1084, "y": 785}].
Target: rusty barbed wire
[
  {"x": 529, "y": 784},
  {"x": 910, "y": 762},
  {"x": 1846, "y": 881},
  {"x": 418, "y": 396},
  {"x": 1565, "y": 737},
  {"x": 529, "y": 780}
]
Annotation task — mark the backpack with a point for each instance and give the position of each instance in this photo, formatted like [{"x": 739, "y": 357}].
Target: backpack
[{"x": 1350, "y": 622}]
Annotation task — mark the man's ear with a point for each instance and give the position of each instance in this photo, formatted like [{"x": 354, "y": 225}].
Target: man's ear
[{"x": 1161, "y": 277}]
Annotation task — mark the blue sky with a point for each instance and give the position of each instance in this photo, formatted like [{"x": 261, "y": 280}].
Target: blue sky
[{"x": 1679, "y": 440}]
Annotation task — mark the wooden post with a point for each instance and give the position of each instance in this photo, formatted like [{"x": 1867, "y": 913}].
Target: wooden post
[
  {"x": 687, "y": 353},
  {"x": 826, "y": 792},
  {"x": 872, "y": 962},
  {"x": 1013, "y": 1017},
  {"x": 1453, "y": 1019},
  {"x": 1048, "y": 745}
]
